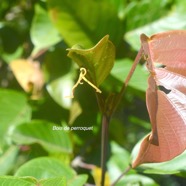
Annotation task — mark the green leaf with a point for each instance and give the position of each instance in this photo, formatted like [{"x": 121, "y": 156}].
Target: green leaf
[
  {"x": 30, "y": 181},
  {"x": 136, "y": 180},
  {"x": 118, "y": 162},
  {"x": 43, "y": 33},
  {"x": 98, "y": 60},
  {"x": 8, "y": 159},
  {"x": 16, "y": 55},
  {"x": 139, "y": 13},
  {"x": 121, "y": 6},
  {"x": 163, "y": 24},
  {"x": 51, "y": 171},
  {"x": 14, "y": 110},
  {"x": 15, "y": 181},
  {"x": 139, "y": 78},
  {"x": 86, "y": 21},
  {"x": 78, "y": 180},
  {"x": 43, "y": 133},
  {"x": 56, "y": 63},
  {"x": 43, "y": 168},
  {"x": 59, "y": 181},
  {"x": 60, "y": 88}
]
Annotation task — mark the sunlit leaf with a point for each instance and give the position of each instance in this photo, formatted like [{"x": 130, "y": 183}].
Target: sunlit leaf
[
  {"x": 16, "y": 181},
  {"x": 42, "y": 168},
  {"x": 136, "y": 179},
  {"x": 79, "y": 25},
  {"x": 139, "y": 78},
  {"x": 165, "y": 97},
  {"x": 58, "y": 181},
  {"x": 164, "y": 24},
  {"x": 78, "y": 180},
  {"x": 28, "y": 75},
  {"x": 43, "y": 133},
  {"x": 43, "y": 33},
  {"x": 7, "y": 159},
  {"x": 14, "y": 110},
  {"x": 98, "y": 61},
  {"x": 118, "y": 162},
  {"x": 50, "y": 170},
  {"x": 60, "y": 88},
  {"x": 139, "y": 13}
]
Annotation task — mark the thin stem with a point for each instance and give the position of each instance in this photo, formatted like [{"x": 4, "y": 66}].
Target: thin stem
[
  {"x": 104, "y": 144},
  {"x": 136, "y": 61},
  {"x": 123, "y": 174},
  {"x": 106, "y": 120}
]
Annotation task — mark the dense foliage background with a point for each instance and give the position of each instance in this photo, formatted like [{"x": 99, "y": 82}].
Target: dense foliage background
[{"x": 42, "y": 31}]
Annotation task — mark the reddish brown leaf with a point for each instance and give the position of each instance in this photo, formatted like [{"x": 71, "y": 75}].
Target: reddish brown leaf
[{"x": 166, "y": 97}]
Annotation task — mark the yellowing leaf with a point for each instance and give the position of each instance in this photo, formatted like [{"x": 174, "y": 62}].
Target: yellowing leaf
[
  {"x": 96, "y": 172},
  {"x": 28, "y": 75}
]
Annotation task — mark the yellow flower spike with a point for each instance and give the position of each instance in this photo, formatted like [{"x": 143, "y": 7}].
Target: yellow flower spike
[{"x": 83, "y": 72}]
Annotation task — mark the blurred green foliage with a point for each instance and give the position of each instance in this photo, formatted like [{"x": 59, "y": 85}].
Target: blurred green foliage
[{"x": 43, "y": 30}]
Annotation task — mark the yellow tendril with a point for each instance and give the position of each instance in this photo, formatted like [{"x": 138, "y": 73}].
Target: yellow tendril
[{"x": 83, "y": 72}]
